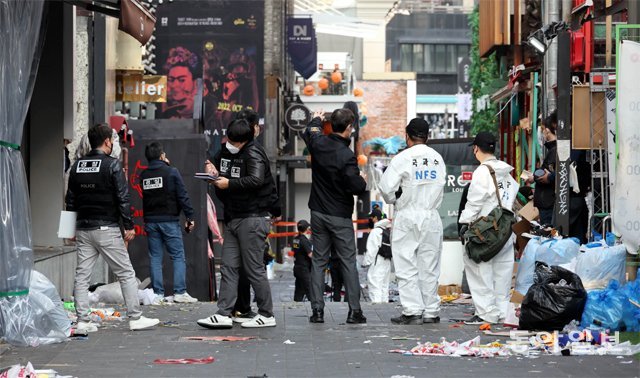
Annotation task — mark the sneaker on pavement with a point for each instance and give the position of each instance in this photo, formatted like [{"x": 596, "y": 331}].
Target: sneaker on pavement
[
  {"x": 476, "y": 320},
  {"x": 239, "y": 317},
  {"x": 216, "y": 322},
  {"x": 407, "y": 319},
  {"x": 86, "y": 327},
  {"x": 158, "y": 300},
  {"x": 142, "y": 323},
  {"x": 427, "y": 320},
  {"x": 184, "y": 298},
  {"x": 260, "y": 321}
]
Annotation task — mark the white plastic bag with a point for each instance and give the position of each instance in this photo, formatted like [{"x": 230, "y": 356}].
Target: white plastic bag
[
  {"x": 599, "y": 264},
  {"x": 526, "y": 266}
]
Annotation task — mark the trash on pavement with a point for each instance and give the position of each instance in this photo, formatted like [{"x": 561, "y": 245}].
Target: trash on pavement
[
  {"x": 183, "y": 361},
  {"x": 599, "y": 264},
  {"x": 289, "y": 342},
  {"x": 16, "y": 371},
  {"x": 485, "y": 327},
  {"x": 556, "y": 298},
  {"x": 604, "y": 308},
  {"x": 219, "y": 338}
]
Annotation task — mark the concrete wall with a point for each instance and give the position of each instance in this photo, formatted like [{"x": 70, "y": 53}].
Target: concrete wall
[
  {"x": 81, "y": 90},
  {"x": 49, "y": 113}
]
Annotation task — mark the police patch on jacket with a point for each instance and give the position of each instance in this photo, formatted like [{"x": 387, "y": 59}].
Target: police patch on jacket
[
  {"x": 88, "y": 166},
  {"x": 152, "y": 183},
  {"x": 235, "y": 172},
  {"x": 224, "y": 165}
]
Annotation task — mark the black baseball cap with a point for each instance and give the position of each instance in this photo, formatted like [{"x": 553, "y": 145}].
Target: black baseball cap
[
  {"x": 484, "y": 140},
  {"x": 303, "y": 224},
  {"x": 418, "y": 128},
  {"x": 376, "y": 213}
]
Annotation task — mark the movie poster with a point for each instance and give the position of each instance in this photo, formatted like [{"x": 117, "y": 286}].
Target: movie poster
[{"x": 212, "y": 55}]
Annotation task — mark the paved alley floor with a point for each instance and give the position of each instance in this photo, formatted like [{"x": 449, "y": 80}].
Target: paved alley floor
[{"x": 332, "y": 349}]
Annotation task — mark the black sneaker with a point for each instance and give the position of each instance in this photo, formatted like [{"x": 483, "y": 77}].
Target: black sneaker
[
  {"x": 239, "y": 317},
  {"x": 431, "y": 320},
  {"x": 317, "y": 316},
  {"x": 356, "y": 317},
  {"x": 475, "y": 320},
  {"x": 407, "y": 319}
]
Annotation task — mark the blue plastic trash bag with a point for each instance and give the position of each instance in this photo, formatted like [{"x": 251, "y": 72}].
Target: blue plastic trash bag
[
  {"x": 630, "y": 311},
  {"x": 604, "y": 308},
  {"x": 526, "y": 266},
  {"x": 599, "y": 264},
  {"x": 563, "y": 253}
]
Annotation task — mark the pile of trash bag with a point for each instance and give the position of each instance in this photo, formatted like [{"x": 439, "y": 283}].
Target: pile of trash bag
[
  {"x": 44, "y": 320},
  {"x": 559, "y": 252},
  {"x": 595, "y": 263},
  {"x": 615, "y": 308},
  {"x": 555, "y": 299}
]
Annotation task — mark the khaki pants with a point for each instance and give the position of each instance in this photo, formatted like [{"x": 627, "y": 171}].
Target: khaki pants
[{"x": 107, "y": 242}]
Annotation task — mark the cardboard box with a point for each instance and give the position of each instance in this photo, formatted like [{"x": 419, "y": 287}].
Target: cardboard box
[
  {"x": 513, "y": 310},
  {"x": 529, "y": 212},
  {"x": 449, "y": 289},
  {"x": 521, "y": 242}
]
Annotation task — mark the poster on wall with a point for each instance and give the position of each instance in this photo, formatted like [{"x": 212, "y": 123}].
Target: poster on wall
[{"x": 212, "y": 53}]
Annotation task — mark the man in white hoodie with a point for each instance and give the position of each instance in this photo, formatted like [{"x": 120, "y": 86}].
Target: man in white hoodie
[
  {"x": 489, "y": 281},
  {"x": 378, "y": 261},
  {"x": 414, "y": 182}
]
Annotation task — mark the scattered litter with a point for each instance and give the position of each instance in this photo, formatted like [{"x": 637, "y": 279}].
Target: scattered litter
[
  {"x": 184, "y": 361},
  {"x": 458, "y": 325},
  {"x": 379, "y": 336},
  {"x": 19, "y": 371},
  {"x": 485, "y": 327},
  {"x": 170, "y": 323},
  {"x": 404, "y": 338},
  {"x": 367, "y": 342},
  {"x": 626, "y": 362},
  {"x": 289, "y": 342},
  {"x": 531, "y": 347},
  {"x": 402, "y": 376},
  {"x": 219, "y": 338}
]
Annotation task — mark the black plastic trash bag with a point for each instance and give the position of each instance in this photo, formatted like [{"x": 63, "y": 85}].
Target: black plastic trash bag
[{"x": 556, "y": 298}]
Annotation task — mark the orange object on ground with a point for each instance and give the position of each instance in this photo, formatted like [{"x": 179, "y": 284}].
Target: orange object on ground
[{"x": 485, "y": 327}]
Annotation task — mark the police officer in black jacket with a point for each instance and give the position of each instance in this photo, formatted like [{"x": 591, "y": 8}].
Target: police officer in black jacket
[
  {"x": 98, "y": 192},
  {"x": 335, "y": 179},
  {"x": 245, "y": 187},
  {"x": 302, "y": 250},
  {"x": 164, "y": 196}
]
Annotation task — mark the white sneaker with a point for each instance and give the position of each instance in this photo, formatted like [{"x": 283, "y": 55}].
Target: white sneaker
[
  {"x": 86, "y": 327},
  {"x": 184, "y": 298},
  {"x": 142, "y": 323},
  {"x": 158, "y": 300},
  {"x": 216, "y": 321},
  {"x": 260, "y": 321}
]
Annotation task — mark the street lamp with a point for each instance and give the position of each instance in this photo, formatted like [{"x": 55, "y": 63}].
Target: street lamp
[{"x": 538, "y": 39}]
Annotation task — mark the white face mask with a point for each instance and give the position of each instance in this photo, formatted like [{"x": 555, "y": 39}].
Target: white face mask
[{"x": 233, "y": 149}]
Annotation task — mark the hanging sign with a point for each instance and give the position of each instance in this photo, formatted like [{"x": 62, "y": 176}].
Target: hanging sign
[{"x": 141, "y": 88}]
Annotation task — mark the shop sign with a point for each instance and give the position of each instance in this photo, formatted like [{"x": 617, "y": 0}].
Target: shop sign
[{"x": 141, "y": 88}]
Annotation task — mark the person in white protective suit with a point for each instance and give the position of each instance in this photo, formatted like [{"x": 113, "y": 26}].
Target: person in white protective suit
[
  {"x": 414, "y": 182},
  {"x": 489, "y": 282},
  {"x": 379, "y": 265}
]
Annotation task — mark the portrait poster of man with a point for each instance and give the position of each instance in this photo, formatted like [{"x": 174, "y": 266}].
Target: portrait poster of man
[{"x": 212, "y": 54}]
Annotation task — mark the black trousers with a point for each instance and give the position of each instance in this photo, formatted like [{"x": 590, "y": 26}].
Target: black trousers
[
  {"x": 303, "y": 283},
  {"x": 336, "y": 280},
  {"x": 243, "y": 302}
]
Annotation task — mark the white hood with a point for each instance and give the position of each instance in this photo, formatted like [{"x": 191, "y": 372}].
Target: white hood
[
  {"x": 384, "y": 223},
  {"x": 481, "y": 198}
]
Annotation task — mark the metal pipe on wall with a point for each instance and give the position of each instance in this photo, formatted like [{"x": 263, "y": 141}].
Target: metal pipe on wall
[{"x": 551, "y": 13}]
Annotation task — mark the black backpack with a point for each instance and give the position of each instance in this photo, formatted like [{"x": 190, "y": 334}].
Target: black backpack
[{"x": 385, "y": 247}]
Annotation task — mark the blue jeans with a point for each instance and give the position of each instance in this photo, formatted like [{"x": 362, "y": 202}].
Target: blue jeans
[{"x": 169, "y": 235}]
